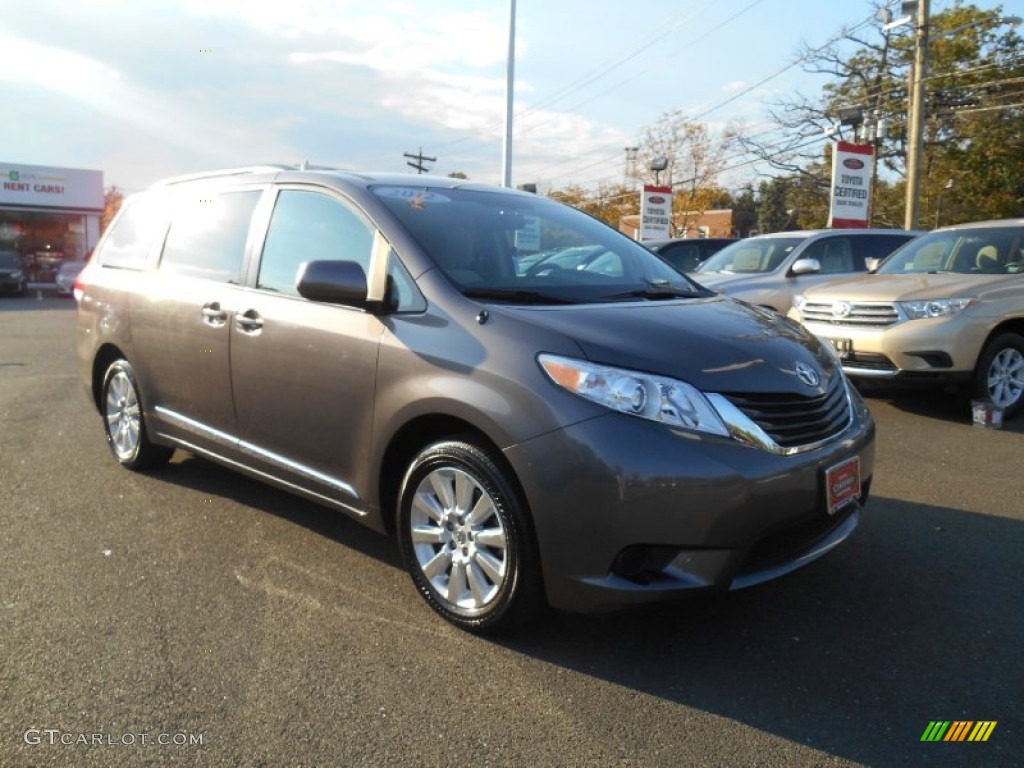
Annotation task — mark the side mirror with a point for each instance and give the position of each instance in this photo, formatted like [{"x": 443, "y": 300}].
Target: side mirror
[
  {"x": 333, "y": 282},
  {"x": 872, "y": 264},
  {"x": 805, "y": 267}
]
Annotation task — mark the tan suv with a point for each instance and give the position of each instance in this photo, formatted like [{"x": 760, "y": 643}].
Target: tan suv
[{"x": 947, "y": 307}]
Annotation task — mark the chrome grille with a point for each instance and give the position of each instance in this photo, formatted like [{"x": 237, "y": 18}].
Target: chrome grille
[
  {"x": 871, "y": 314},
  {"x": 794, "y": 420}
]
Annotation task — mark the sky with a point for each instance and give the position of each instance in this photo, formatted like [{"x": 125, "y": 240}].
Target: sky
[{"x": 144, "y": 89}]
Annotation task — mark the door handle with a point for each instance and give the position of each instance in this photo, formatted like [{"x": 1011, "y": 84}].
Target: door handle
[
  {"x": 213, "y": 314},
  {"x": 249, "y": 321}
]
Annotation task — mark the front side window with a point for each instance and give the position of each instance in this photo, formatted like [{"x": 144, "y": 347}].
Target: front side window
[
  {"x": 208, "y": 234},
  {"x": 834, "y": 254},
  {"x": 310, "y": 226}
]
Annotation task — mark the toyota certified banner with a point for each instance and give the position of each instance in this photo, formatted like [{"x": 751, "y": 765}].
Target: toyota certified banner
[
  {"x": 851, "y": 185},
  {"x": 655, "y": 213}
]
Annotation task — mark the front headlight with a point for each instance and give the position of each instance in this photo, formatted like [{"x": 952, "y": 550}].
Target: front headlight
[
  {"x": 656, "y": 398},
  {"x": 16, "y": 275},
  {"x": 918, "y": 310}
]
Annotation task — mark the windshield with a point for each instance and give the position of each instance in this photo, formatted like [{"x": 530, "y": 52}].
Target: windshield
[
  {"x": 9, "y": 261},
  {"x": 755, "y": 254},
  {"x": 999, "y": 250},
  {"x": 529, "y": 249}
]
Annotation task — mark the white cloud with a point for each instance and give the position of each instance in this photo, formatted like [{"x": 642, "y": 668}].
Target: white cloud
[{"x": 52, "y": 68}]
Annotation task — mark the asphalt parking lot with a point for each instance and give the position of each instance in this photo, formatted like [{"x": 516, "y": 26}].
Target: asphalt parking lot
[{"x": 195, "y": 617}]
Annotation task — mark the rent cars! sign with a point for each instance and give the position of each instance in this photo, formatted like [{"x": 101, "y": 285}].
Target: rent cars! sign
[
  {"x": 655, "y": 212},
  {"x": 851, "y": 185},
  {"x": 44, "y": 187}
]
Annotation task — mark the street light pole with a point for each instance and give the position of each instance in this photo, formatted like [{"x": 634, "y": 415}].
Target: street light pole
[
  {"x": 506, "y": 152},
  {"x": 915, "y": 117}
]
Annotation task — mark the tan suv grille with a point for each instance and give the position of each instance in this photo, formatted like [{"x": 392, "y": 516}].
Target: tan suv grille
[
  {"x": 876, "y": 314},
  {"x": 793, "y": 421}
]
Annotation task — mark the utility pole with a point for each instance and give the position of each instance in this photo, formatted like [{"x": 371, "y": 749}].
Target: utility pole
[
  {"x": 915, "y": 115},
  {"x": 630, "y": 172},
  {"x": 419, "y": 158}
]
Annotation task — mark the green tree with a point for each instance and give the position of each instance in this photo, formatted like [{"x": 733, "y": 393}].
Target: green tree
[{"x": 972, "y": 136}]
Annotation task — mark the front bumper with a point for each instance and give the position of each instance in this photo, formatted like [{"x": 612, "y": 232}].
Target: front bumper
[
  {"x": 630, "y": 511},
  {"x": 938, "y": 349},
  {"x": 11, "y": 285}
]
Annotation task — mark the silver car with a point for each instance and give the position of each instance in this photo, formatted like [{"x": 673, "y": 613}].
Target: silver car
[
  {"x": 578, "y": 437},
  {"x": 770, "y": 270}
]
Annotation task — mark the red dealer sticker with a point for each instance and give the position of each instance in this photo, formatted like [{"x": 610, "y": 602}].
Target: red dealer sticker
[{"x": 842, "y": 484}]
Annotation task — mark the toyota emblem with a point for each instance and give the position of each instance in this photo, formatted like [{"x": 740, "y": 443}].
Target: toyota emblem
[
  {"x": 841, "y": 309},
  {"x": 807, "y": 375}
]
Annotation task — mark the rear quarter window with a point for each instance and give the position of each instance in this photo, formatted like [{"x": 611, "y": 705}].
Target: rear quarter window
[{"x": 138, "y": 228}]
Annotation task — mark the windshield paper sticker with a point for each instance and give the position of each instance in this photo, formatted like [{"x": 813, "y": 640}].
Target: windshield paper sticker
[{"x": 417, "y": 197}]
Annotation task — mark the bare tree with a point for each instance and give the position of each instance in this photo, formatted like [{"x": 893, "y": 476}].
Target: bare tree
[{"x": 696, "y": 158}]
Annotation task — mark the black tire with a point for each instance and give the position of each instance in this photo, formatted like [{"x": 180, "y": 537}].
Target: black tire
[
  {"x": 124, "y": 420},
  {"x": 999, "y": 375},
  {"x": 490, "y": 560}
]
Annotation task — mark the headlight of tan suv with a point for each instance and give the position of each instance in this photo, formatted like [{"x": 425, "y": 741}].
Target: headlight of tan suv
[
  {"x": 657, "y": 398},
  {"x": 918, "y": 310}
]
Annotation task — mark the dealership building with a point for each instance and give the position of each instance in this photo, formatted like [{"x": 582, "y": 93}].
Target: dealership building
[{"x": 49, "y": 215}]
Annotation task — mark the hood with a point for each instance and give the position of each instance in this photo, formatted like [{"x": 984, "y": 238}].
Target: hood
[
  {"x": 941, "y": 285},
  {"x": 716, "y": 344}
]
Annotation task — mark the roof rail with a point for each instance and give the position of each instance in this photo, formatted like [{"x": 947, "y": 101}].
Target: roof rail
[{"x": 264, "y": 168}]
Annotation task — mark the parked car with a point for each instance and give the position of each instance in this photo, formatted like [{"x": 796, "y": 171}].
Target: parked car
[
  {"x": 66, "y": 274},
  {"x": 686, "y": 254},
  {"x": 12, "y": 273},
  {"x": 769, "y": 270},
  {"x": 946, "y": 308},
  {"x": 366, "y": 341}
]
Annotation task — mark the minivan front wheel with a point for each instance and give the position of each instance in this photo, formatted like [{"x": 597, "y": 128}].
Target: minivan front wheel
[
  {"x": 465, "y": 538},
  {"x": 999, "y": 376},
  {"x": 124, "y": 421}
]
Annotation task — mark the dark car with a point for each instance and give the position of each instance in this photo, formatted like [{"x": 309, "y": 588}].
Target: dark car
[
  {"x": 686, "y": 254},
  {"x": 12, "y": 273},
  {"x": 585, "y": 438}
]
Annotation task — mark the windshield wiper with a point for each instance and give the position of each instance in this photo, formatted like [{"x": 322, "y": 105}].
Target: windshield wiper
[
  {"x": 659, "y": 292},
  {"x": 516, "y": 295}
]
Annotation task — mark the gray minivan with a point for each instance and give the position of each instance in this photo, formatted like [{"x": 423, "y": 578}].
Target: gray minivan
[{"x": 584, "y": 438}]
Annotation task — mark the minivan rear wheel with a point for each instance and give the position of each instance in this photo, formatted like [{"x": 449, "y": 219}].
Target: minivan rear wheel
[
  {"x": 999, "y": 376},
  {"x": 465, "y": 538},
  {"x": 124, "y": 421}
]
